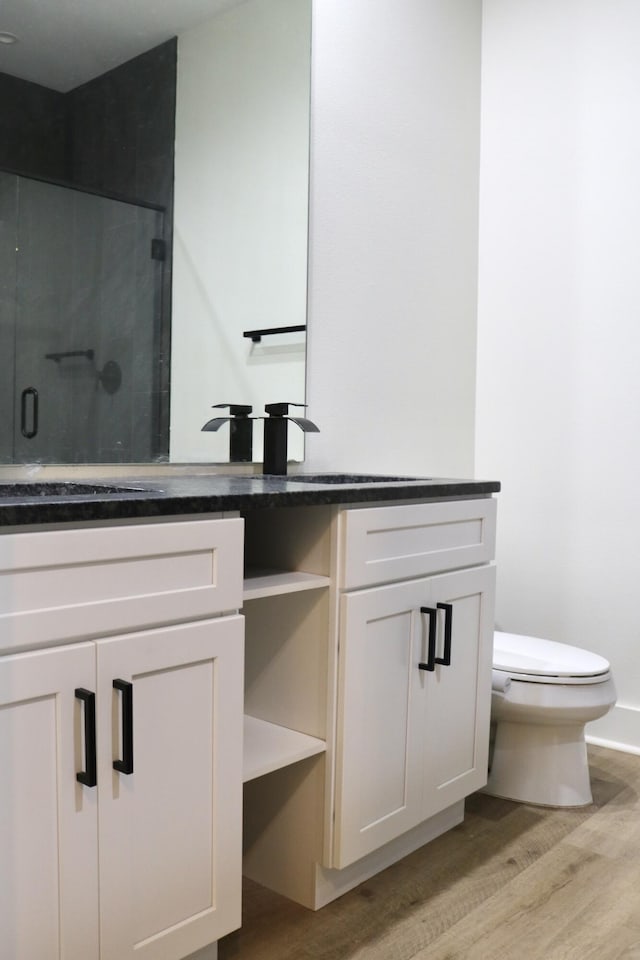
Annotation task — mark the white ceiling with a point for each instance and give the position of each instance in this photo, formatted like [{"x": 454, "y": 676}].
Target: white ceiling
[{"x": 64, "y": 43}]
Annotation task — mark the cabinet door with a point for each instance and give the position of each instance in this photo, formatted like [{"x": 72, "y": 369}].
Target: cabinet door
[
  {"x": 170, "y": 830},
  {"x": 410, "y": 742},
  {"x": 458, "y": 700},
  {"x": 48, "y": 820},
  {"x": 381, "y": 710}
]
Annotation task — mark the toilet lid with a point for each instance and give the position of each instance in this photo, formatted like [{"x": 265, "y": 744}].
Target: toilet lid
[{"x": 518, "y": 655}]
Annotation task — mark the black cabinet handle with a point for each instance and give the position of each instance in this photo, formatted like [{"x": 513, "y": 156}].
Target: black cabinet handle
[
  {"x": 126, "y": 764},
  {"x": 431, "y": 651},
  {"x": 88, "y": 776},
  {"x": 29, "y": 392},
  {"x": 445, "y": 660}
]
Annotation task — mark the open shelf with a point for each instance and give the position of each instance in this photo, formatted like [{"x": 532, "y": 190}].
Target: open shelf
[
  {"x": 268, "y": 747},
  {"x": 272, "y": 583}
]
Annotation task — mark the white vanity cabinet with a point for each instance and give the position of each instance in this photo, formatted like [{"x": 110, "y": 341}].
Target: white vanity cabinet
[
  {"x": 360, "y": 739},
  {"x": 414, "y": 668},
  {"x": 135, "y": 850},
  {"x": 404, "y": 745}
]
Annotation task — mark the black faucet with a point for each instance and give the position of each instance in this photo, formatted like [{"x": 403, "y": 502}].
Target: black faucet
[
  {"x": 240, "y": 430},
  {"x": 275, "y": 435}
]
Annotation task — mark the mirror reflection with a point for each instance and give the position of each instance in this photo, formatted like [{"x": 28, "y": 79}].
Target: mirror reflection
[{"x": 153, "y": 212}]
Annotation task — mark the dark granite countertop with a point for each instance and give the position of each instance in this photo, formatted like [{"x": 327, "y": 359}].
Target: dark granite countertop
[{"x": 166, "y": 495}]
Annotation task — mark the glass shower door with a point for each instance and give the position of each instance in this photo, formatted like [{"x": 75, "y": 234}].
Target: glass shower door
[
  {"x": 8, "y": 242},
  {"x": 88, "y": 291}
]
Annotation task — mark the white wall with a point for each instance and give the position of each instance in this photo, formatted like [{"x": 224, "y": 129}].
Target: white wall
[
  {"x": 240, "y": 235},
  {"x": 558, "y": 403},
  {"x": 393, "y": 235}
]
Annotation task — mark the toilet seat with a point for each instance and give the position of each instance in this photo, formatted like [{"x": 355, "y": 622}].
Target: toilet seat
[{"x": 535, "y": 660}]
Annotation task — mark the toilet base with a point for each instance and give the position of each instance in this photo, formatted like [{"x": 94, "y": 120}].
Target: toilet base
[{"x": 540, "y": 764}]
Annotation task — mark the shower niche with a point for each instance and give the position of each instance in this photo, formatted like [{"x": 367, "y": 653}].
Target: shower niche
[{"x": 80, "y": 325}]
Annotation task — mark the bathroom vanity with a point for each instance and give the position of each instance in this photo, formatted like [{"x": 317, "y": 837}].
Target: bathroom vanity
[{"x": 355, "y": 713}]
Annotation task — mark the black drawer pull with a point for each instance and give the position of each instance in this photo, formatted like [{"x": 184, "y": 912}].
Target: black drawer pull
[
  {"x": 125, "y": 765},
  {"x": 431, "y": 650},
  {"x": 88, "y": 776},
  {"x": 445, "y": 660}
]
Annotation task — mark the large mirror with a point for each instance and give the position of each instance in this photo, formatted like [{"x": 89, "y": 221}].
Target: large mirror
[{"x": 153, "y": 223}]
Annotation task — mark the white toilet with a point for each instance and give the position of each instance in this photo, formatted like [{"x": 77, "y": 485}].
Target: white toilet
[{"x": 543, "y": 694}]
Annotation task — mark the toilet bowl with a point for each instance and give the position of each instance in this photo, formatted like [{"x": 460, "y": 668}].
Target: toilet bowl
[{"x": 543, "y": 694}]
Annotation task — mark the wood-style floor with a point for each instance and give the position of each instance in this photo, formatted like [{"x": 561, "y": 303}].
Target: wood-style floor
[{"x": 513, "y": 882}]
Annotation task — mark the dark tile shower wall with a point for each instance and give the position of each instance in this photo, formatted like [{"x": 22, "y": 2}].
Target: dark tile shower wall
[
  {"x": 123, "y": 125},
  {"x": 123, "y": 143},
  {"x": 33, "y": 129},
  {"x": 113, "y": 135}
]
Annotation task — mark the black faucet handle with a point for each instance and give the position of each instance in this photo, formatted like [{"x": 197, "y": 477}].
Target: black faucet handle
[
  {"x": 281, "y": 409},
  {"x": 235, "y": 409}
]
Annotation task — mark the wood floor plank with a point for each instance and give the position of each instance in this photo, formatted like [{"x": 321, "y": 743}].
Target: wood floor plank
[
  {"x": 549, "y": 907},
  {"x": 565, "y": 883}
]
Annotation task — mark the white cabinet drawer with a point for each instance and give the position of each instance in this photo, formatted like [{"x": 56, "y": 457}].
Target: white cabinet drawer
[
  {"x": 74, "y": 584},
  {"x": 382, "y": 544}
]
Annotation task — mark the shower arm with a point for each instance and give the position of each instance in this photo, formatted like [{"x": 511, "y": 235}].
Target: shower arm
[
  {"x": 110, "y": 376},
  {"x": 57, "y": 357}
]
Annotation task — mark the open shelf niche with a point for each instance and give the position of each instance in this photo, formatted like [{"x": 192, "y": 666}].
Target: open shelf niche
[{"x": 286, "y": 609}]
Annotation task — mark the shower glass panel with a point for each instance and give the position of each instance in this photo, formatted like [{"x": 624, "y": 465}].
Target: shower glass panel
[
  {"x": 80, "y": 337},
  {"x": 8, "y": 241}
]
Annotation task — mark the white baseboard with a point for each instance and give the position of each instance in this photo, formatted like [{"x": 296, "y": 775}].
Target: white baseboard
[{"x": 618, "y": 730}]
